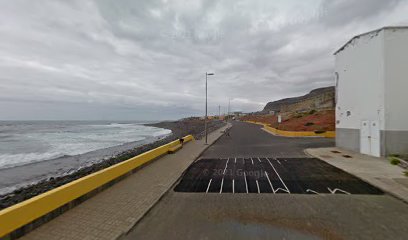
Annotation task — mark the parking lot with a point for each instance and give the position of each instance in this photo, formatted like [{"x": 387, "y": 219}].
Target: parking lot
[{"x": 270, "y": 175}]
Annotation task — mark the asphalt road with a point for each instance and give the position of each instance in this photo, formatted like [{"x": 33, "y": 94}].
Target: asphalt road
[
  {"x": 247, "y": 140},
  {"x": 204, "y": 213}
]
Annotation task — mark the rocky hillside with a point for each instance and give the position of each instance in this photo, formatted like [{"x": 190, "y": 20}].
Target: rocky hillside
[
  {"x": 320, "y": 98},
  {"x": 312, "y": 121}
]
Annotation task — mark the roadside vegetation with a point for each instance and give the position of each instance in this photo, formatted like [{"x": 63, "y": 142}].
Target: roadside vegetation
[
  {"x": 400, "y": 160},
  {"x": 309, "y": 121},
  {"x": 394, "y": 160}
]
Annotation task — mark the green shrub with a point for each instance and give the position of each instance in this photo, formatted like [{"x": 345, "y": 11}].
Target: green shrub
[
  {"x": 394, "y": 155},
  {"x": 406, "y": 173},
  {"x": 394, "y": 160},
  {"x": 309, "y": 124},
  {"x": 312, "y": 112}
]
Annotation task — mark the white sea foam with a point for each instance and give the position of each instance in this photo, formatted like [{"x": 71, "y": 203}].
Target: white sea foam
[{"x": 24, "y": 143}]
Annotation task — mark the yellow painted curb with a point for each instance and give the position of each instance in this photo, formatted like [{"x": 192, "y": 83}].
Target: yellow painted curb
[
  {"x": 25, "y": 212},
  {"x": 327, "y": 134}
]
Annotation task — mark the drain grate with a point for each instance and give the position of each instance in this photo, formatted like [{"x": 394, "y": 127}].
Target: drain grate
[{"x": 270, "y": 175}]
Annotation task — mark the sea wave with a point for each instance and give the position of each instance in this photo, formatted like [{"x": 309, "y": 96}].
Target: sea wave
[
  {"x": 25, "y": 146},
  {"x": 13, "y": 160}
]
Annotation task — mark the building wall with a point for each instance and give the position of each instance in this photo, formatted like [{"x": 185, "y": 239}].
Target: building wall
[
  {"x": 360, "y": 85},
  {"x": 396, "y": 90}
]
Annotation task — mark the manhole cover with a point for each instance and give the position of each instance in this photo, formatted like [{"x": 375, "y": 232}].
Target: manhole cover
[{"x": 270, "y": 175}]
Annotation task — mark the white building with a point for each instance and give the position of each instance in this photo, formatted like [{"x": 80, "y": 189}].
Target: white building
[{"x": 372, "y": 92}]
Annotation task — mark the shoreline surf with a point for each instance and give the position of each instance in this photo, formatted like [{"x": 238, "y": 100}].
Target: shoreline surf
[{"x": 39, "y": 181}]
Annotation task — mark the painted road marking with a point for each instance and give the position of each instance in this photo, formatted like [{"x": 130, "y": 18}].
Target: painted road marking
[
  {"x": 294, "y": 175},
  {"x": 226, "y": 165},
  {"x": 246, "y": 183},
  {"x": 283, "y": 190},
  {"x": 209, "y": 184},
  {"x": 222, "y": 181},
  {"x": 270, "y": 183},
  {"x": 312, "y": 191},
  {"x": 257, "y": 186},
  {"x": 337, "y": 189},
  {"x": 287, "y": 189}
]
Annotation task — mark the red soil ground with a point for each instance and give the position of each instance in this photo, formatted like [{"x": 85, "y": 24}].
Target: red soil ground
[{"x": 319, "y": 121}]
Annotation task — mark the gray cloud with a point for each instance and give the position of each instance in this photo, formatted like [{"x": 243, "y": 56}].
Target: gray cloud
[{"x": 146, "y": 59}]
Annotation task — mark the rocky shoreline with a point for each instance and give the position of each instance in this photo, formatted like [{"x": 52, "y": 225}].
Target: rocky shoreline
[{"x": 179, "y": 129}]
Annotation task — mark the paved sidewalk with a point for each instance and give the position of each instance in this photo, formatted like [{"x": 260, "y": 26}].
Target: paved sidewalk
[
  {"x": 116, "y": 210},
  {"x": 376, "y": 171}
]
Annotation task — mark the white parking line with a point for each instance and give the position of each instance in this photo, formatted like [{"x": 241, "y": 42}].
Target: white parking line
[
  {"x": 226, "y": 165},
  {"x": 246, "y": 183},
  {"x": 337, "y": 189},
  {"x": 283, "y": 190},
  {"x": 252, "y": 161},
  {"x": 235, "y": 160},
  {"x": 278, "y": 176},
  {"x": 222, "y": 184},
  {"x": 222, "y": 181},
  {"x": 270, "y": 183},
  {"x": 278, "y": 161},
  {"x": 208, "y": 187},
  {"x": 259, "y": 160},
  {"x": 257, "y": 186},
  {"x": 312, "y": 191},
  {"x": 233, "y": 186}
]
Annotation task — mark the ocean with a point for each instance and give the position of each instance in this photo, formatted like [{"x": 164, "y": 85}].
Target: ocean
[
  {"x": 31, "y": 150},
  {"x": 27, "y": 142}
]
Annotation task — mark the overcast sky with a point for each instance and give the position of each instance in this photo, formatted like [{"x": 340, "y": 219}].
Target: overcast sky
[{"x": 146, "y": 59}]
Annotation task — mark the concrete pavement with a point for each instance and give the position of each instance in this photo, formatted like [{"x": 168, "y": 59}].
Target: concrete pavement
[
  {"x": 186, "y": 215},
  {"x": 273, "y": 216},
  {"x": 114, "y": 211},
  {"x": 376, "y": 171}
]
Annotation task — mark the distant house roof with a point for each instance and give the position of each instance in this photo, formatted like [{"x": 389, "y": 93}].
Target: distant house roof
[{"x": 370, "y": 32}]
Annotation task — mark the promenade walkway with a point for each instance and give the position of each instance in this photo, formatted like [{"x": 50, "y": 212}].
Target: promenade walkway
[
  {"x": 113, "y": 212},
  {"x": 376, "y": 171}
]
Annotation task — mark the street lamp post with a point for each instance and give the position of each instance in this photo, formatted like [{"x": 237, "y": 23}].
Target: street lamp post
[{"x": 206, "y": 115}]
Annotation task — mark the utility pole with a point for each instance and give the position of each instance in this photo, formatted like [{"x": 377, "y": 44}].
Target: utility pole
[
  {"x": 219, "y": 111},
  {"x": 206, "y": 110},
  {"x": 229, "y": 104}
]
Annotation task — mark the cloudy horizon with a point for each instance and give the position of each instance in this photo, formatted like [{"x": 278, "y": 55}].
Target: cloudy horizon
[{"x": 146, "y": 60}]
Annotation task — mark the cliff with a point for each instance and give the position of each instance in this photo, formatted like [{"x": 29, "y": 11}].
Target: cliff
[{"x": 317, "y": 99}]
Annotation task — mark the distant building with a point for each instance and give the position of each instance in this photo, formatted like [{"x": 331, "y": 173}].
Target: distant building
[
  {"x": 372, "y": 92},
  {"x": 238, "y": 114},
  {"x": 272, "y": 112}
]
